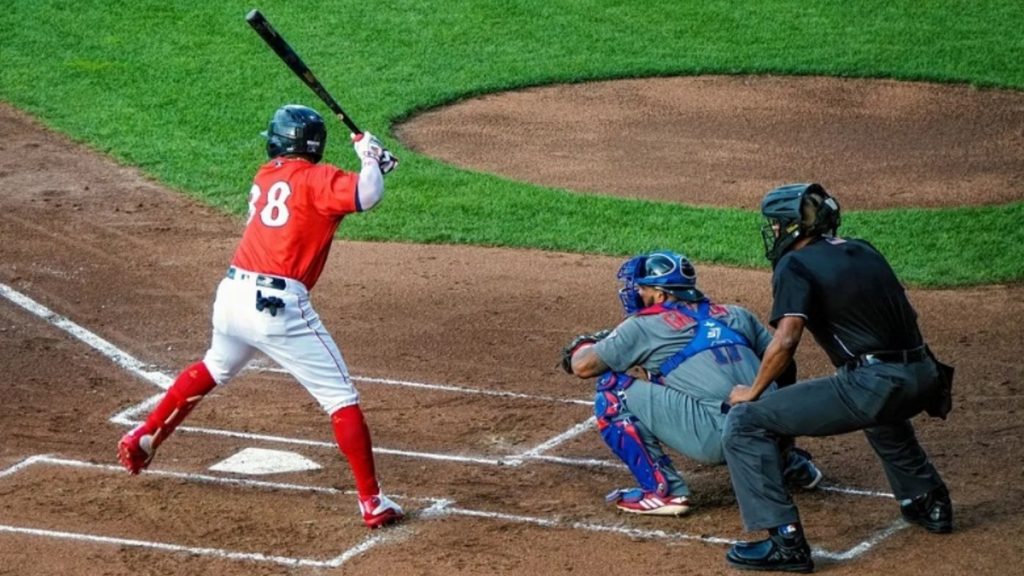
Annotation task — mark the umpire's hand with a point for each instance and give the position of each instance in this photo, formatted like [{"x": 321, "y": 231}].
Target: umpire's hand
[{"x": 741, "y": 394}]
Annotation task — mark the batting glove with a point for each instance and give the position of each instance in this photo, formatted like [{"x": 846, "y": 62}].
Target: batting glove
[{"x": 368, "y": 147}]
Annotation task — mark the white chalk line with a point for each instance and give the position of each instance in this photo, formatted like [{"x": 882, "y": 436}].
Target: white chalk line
[
  {"x": 864, "y": 546},
  {"x": 199, "y": 478},
  {"x": 854, "y": 552},
  {"x": 334, "y": 446},
  {"x": 582, "y": 462},
  {"x": 17, "y": 467},
  {"x": 127, "y": 417},
  {"x": 854, "y": 491},
  {"x": 448, "y": 388},
  {"x": 164, "y": 381},
  {"x": 115, "y": 354},
  {"x": 367, "y": 543},
  {"x": 439, "y": 507},
  {"x": 212, "y": 552},
  {"x": 554, "y": 442}
]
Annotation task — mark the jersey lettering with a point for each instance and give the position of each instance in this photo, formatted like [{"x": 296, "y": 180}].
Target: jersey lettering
[
  {"x": 295, "y": 209},
  {"x": 275, "y": 214},
  {"x": 726, "y": 355},
  {"x": 254, "y": 195},
  {"x": 676, "y": 320},
  {"x": 711, "y": 334}
]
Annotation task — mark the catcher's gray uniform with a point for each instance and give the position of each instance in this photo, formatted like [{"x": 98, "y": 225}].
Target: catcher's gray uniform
[{"x": 685, "y": 410}]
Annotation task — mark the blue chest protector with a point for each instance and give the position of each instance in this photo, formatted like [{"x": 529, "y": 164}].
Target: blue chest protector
[
  {"x": 711, "y": 334},
  {"x": 618, "y": 427}
]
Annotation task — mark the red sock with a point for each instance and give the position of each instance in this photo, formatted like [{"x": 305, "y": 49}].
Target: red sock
[
  {"x": 188, "y": 389},
  {"x": 353, "y": 437}
]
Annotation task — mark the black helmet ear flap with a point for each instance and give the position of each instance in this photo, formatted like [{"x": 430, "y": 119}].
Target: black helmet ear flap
[{"x": 819, "y": 211}]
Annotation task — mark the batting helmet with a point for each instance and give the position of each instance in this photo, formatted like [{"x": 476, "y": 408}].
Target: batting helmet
[
  {"x": 296, "y": 129},
  {"x": 796, "y": 211},
  {"x": 665, "y": 270}
]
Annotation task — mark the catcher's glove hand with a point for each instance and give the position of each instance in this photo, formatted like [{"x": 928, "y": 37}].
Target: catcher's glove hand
[{"x": 580, "y": 341}]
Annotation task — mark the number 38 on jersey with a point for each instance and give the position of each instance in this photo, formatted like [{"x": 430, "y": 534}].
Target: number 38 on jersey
[{"x": 275, "y": 212}]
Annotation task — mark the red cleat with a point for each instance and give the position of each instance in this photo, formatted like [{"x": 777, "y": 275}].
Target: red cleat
[
  {"x": 135, "y": 450},
  {"x": 636, "y": 501},
  {"x": 380, "y": 511}
]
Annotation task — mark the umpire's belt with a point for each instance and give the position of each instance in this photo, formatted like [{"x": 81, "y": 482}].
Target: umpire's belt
[
  {"x": 261, "y": 279},
  {"x": 890, "y": 356}
]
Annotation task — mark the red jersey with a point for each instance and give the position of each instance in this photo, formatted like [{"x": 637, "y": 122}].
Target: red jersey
[{"x": 295, "y": 207}]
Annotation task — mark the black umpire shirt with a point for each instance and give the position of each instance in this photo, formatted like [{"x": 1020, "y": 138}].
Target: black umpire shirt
[{"x": 849, "y": 296}]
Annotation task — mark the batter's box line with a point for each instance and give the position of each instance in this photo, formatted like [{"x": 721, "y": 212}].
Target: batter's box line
[
  {"x": 336, "y": 562},
  {"x": 163, "y": 381},
  {"x": 438, "y": 507},
  {"x": 124, "y": 418},
  {"x": 366, "y": 544},
  {"x": 446, "y": 388}
]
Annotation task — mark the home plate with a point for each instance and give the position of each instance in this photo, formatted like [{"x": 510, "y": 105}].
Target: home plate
[{"x": 260, "y": 461}]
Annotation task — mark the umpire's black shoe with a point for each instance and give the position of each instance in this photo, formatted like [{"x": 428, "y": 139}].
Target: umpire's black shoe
[
  {"x": 777, "y": 553},
  {"x": 933, "y": 511}
]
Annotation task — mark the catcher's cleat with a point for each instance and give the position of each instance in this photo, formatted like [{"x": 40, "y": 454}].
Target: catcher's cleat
[
  {"x": 933, "y": 511},
  {"x": 773, "y": 554},
  {"x": 380, "y": 511},
  {"x": 806, "y": 476},
  {"x": 800, "y": 472},
  {"x": 135, "y": 450},
  {"x": 636, "y": 501}
]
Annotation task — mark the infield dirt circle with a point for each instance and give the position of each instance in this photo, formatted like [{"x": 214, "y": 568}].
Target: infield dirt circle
[{"x": 92, "y": 253}]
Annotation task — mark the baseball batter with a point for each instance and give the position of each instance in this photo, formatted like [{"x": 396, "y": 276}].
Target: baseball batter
[
  {"x": 848, "y": 296},
  {"x": 691, "y": 352},
  {"x": 263, "y": 304}
]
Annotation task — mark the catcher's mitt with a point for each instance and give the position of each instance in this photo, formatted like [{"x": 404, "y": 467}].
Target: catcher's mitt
[{"x": 580, "y": 341}]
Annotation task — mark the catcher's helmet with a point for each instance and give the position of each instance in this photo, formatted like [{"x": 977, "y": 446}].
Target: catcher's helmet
[
  {"x": 796, "y": 211},
  {"x": 667, "y": 271},
  {"x": 296, "y": 129}
]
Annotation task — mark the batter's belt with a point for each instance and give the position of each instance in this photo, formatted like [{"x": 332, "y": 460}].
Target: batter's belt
[{"x": 261, "y": 279}]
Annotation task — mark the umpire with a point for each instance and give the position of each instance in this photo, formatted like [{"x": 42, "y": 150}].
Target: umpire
[{"x": 847, "y": 295}]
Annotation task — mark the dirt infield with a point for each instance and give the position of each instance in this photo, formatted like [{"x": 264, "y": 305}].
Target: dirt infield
[
  {"x": 726, "y": 140},
  {"x": 108, "y": 281}
]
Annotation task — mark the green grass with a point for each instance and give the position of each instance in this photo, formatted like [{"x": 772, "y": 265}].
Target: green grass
[{"x": 182, "y": 89}]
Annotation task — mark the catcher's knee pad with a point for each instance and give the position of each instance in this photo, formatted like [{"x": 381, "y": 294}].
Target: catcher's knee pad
[
  {"x": 608, "y": 402},
  {"x": 613, "y": 381},
  {"x": 621, "y": 435}
]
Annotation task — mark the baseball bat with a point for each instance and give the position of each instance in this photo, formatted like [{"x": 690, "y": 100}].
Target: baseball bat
[{"x": 278, "y": 44}]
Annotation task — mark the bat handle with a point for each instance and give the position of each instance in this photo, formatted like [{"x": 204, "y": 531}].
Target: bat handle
[{"x": 351, "y": 125}]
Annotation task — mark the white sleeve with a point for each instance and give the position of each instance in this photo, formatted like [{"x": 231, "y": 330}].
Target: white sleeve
[{"x": 371, "y": 185}]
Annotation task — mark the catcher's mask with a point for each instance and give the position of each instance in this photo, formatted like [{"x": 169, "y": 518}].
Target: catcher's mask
[
  {"x": 796, "y": 211},
  {"x": 296, "y": 129},
  {"x": 666, "y": 271}
]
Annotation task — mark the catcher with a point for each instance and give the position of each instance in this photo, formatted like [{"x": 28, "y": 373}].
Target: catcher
[{"x": 665, "y": 374}]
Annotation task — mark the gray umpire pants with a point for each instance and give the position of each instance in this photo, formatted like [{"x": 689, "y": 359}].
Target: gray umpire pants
[{"x": 878, "y": 399}]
